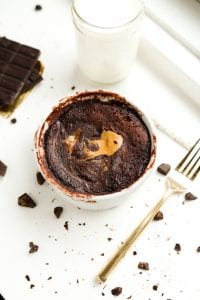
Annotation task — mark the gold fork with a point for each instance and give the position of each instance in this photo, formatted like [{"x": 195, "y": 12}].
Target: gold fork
[{"x": 177, "y": 182}]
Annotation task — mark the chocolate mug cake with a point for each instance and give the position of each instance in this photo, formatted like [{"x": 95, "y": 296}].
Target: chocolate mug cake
[{"x": 94, "y": 143}]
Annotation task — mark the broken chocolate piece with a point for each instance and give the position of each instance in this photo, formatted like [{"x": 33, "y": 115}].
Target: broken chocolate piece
[
  {"x": 143, "y": 265},
  {"x": 158, "y": 216},
  {"x": 33, "y": 247},
  {"x": 198, "y": 249},
  {"x": 40, "y": 178},
  {"x": 58, "y": 211},
  {"x": 164, "y": 169},
  {"x": 134, "y": 252},
  {"x": 155, "y": 287},
  {"x": 116, "y": 291},
  {"x": 189, "y": 196},
  {"x": 3, "y": 168},
  {"x": 177, "y": 247},
  {"x": 26, "y": 201},
  {"x": 32, "y": 286},
  {"x": 16, "y": 63},
  {"x": 1, "y": 297}
]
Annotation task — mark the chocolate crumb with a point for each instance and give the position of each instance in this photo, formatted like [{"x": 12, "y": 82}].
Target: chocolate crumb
[
  {"x": 13, "y": 121},
  {"x": 177, "y": 247},
  {"x": 109, "y": 239},
  {"x": 26, "y": 201},
  {"x": 102, "y": 294},
  {"x": 77, "y": 281},
  {"x": 189, "y": 196},
  {"x": 3, "y": 168},
  {"x": 33, "y": 247},
  {"x": 102, "y": 254},
  {"x": 158, "y": 216},
  {"x": 155, "y": 287},
  {"x": 143, "y": 265},
  {"x": 40, "y": 178},
  {"x": 134, "y": 252},
  {"x": 66, "y": 225},
  {"x": 27, "y": 277},
  {"x": 129, "y": 297},
  {"x": 49, "y": 278},
  {"x": 198, "y": 249},
  {"x": 164, "y": 168},
  {"x": 38, "y": 7},
  {"x": 32, "y": 286},
  {"x": 116, "y": 291},
  {"x": 58, "y": 211},
  {"x": 73, "y": 87}
]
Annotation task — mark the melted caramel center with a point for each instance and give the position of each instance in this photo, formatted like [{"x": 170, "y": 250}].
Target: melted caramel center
[{"x": 108, "y": 144}]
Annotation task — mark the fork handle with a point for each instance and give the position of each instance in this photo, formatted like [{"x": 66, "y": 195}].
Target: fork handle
[{"x": 133, "y": 236}]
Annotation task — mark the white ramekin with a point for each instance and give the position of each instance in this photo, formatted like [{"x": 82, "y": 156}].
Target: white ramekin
[{"x": 93, "y": 202}]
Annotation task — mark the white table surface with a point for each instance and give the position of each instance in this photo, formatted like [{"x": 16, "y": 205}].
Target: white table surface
[{"x": 74, "y": 256}]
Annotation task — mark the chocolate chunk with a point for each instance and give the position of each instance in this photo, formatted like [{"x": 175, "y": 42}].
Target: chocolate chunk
[
  {"x": 158, "y": 216},
  {"x": 134, "y": 252},
  {"x": 198, "y": 249},
  {"x": 40, "y": 178},
  {"x": 164, "y": 169},
  {"x": 116, "y": 291},
  {"x": 13, "y": 121},
  {"x": 109, "y": 239},
  {"x": 189, "y": 196},
  {"x": 177, "y": 247},
  {"x": 33, "y": 247},
  {"x": 58, "y": 211},
  {"x": 3, "y": 168},
  {"x": 155, "y": 287},
  {"x": 1, "y": 297},
  {"x": 66, "y": 225},
  {"x": 26, "y": 201},
  {"x": 16, "y": 64},
  {"x": 143, "y": 265},
  {"x": 49, "y": 278},
  {"x": 27, "y": 277},
  {"x": 38, "y": 7}
]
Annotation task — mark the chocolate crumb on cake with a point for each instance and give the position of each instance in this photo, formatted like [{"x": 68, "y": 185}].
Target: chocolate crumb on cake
[
  {"x": 26, "y": 201},
  {"x": 159, "y": 216},
  {"x": 143, "y": 265},
  {"x": 33, "y": 247},
  {"x": 189, "y": 196},
  {"x": 116, "y": 291},
  {"x": 40, "y": 178},
  {"x": 3, "y": 168},
  {"x": 75, "y": 151},
  {"x": 58, "y": 211},
  {"x": 164, "y": 168}
]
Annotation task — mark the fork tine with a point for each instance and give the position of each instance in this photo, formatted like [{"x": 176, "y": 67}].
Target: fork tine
[
  {"x": 186, "y": 170},
  {"x": 193, "y": 168},
  {"x": 178, "y": 168}
]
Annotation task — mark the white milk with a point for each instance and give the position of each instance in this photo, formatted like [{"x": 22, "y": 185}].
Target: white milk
[{"x": 107, "y": 37}]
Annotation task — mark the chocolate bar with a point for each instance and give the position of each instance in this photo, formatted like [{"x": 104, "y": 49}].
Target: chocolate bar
[{"x": 18, "y": 70}]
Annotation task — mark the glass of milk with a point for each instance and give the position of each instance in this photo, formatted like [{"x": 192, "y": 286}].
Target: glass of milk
[{"x": 107, "y": 36}]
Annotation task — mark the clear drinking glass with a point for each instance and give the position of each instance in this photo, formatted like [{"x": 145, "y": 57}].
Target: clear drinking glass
[{"x": 107, "y": 37}]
